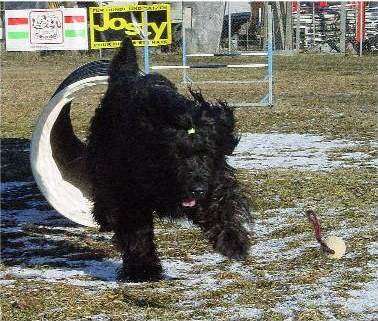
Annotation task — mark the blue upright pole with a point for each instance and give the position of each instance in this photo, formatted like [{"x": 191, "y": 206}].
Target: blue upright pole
[
  {"x": 185, "y": 17},
  {"x": 270, "y": 56},
  {"x": 184, "y": 74}
]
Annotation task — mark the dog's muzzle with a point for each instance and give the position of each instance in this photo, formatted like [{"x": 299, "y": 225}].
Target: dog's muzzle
[{"x": 197, "y": 194}]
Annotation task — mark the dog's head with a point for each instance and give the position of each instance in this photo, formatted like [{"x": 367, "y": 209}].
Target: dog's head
[{"x": 203, "y": 135}]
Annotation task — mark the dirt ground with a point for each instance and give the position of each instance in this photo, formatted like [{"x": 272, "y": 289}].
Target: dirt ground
[{"x": 316, "y": 148}]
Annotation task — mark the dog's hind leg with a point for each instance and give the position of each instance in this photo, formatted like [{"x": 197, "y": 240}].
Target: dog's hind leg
[{"x": 135, "y": 236}]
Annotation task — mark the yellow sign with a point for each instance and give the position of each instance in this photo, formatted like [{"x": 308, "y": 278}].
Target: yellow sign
[{"x": 110, "y": 25}]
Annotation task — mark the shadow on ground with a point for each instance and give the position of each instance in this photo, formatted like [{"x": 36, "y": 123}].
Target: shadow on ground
[
  {"x": 15, "y": 165},
  {"x": 33, "y": 234}
]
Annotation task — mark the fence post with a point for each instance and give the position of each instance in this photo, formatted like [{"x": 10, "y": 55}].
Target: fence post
[
  {"x": 288, "y": 26},
  {"x": 229, "y": 26},
  {"x": 298, "y": 27},
  {"x": 361, "y": 23},
  {"x": 265, "y": 25},
  {"x": 270, "y": 56},
  {"x": 100, "y": 51},
  {"x": 184, "y": 78},
  {"x": 146, "y": 49},
  {"x": 313, "y": 25},
  {"x": 342, "y": 27},
  {"x": 186, "y": 23}
]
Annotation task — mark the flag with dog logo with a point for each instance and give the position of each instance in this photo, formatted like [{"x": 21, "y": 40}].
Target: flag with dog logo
[{"x": 46, "y": 29}]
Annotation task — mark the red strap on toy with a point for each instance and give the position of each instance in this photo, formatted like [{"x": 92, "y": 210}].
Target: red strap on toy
[{"x": 318, "y": 233}]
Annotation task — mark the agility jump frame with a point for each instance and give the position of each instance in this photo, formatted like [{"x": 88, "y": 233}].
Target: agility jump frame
[{"x": 266, "y": 101}]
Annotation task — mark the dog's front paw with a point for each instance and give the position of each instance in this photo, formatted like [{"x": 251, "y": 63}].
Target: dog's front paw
[
  {"x": 140, "y": 274},
  {"x": 233, "y": 243}
]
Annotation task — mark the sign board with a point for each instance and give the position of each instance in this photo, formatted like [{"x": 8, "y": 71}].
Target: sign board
[
  {"x": 110, "y": 25},
  {"x": 46, "y": 29}
]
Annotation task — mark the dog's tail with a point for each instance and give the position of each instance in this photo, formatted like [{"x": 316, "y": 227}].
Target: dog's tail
[{"x": 125, "y": 61}]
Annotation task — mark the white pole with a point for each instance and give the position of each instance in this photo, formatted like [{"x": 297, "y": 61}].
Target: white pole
[
  {"x": 100, "y": 51},
  {"x": 184, "y": 74},
  {"x": 145, "y": 36},
  {"x": 343, "y": 28},
  {"x": 298, "y": 27},
  {"x": 313, "y": 24},
  {"x": 186, "y": 23},
  {"x": 229, "y": 27},
  {"x": 270, "y": 56}
]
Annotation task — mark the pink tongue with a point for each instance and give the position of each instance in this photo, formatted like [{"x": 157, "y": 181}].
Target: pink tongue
[{"x": 189, "y": 202}]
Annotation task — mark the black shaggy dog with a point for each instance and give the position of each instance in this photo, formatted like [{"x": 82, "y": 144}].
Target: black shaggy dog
[{"x": 154, "y": 152}]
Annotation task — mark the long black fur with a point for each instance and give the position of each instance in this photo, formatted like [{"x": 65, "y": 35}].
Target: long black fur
[{"x": 145, "y": 160}]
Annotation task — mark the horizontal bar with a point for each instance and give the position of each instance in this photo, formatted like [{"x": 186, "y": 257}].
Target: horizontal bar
[
  {"x": 258, "y": 104},
  {"x": 236, "y": 54},
  {"x": 227, "y": 81},
  {"x": 209, "y": 66},
  {"x": 248, "y": 66}
]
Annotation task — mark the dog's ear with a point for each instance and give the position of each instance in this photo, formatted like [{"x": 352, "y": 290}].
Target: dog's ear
[
  {"x": 220, "y": 117},
  {"x": 197, "y": 96},
  {"x": 225, "y": 124},
  {"x": 124, "y": 62},
  {"x": 226, "y": 116}
]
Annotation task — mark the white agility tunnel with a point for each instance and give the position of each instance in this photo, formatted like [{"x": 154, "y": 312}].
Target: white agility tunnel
[{"x": 57, "y": 155}]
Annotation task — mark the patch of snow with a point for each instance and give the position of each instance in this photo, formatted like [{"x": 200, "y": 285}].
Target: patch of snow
[
  {"x": 55, "y": 237},
  {"x": 355, "y": 156},
  {"x": 88, "y": 273},
  {"x": 105, "y": 270},
  {"x": 28, "y": 216},
  {"x": 300, "y": 151},
  {"x": 246, "y": 313},
  {"x": 238, "y": 312},
  {"x": 46, "y": 260},
  {"x": 243, "y": 270},
  {"x": 204, "y": 281},
  {"x": 373, "y": 248},
  {"x": 299, "y": 297},
  {"x": 176, "y": 268},
  {"x": 373, "y": 162},
  {"x": 6, "y": 282},
  {"x": 365, "y": 299},
  {"x": 7, "y": 186},
  {"x": 74, "y": 230},
  {"x": 16, "y": 229},
  {"x": 278, "y": 219},
  {"x": 276, "y": 249},
  {"x": 208, "y": 259},
  {"x": 43, "y": 274}
]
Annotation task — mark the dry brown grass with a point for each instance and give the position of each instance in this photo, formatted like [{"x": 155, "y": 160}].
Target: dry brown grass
[{"x": 328, "y": 95}]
